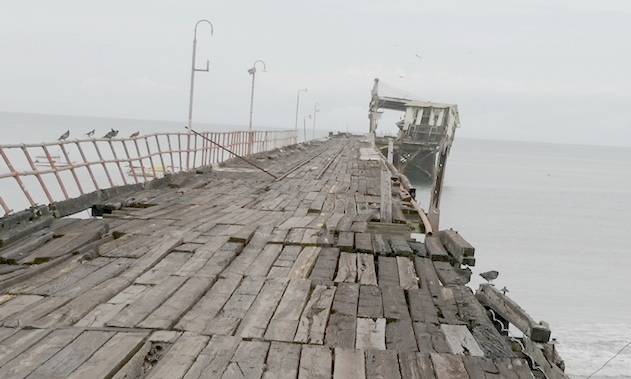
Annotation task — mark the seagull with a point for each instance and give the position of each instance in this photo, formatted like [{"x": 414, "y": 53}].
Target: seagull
[
  {"x": 490, "y": 276},
  {"x": 90, "y": 134},
  {"x": 504, "y": 290},
  {"x": 64, "y": 136},
  {"x": 134, "y": 135},
  {"x": 418, "y": 56},
  {"x": 111, "y": 134}
]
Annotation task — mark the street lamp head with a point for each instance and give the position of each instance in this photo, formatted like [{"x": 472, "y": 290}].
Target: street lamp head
[
  {"x": 252, "y": 71},
  {"x": 200, "y": 21},
  {"x": 308, "y": 116},
  {"x": 316, "y": 107},
  {"x": 254, "y": 66}
]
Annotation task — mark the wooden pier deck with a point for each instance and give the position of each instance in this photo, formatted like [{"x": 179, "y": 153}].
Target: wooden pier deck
[{"x": 231, "y": 273}]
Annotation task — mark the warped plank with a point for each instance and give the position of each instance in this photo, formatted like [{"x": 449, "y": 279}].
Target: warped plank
[{"x": 315, "y": 316}]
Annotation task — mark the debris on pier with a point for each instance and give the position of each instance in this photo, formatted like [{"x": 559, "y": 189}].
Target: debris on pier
[{"x": 230, "y": 273}]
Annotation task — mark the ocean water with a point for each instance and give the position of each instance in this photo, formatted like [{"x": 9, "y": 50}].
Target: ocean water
[{"x": 550, "y": 218}]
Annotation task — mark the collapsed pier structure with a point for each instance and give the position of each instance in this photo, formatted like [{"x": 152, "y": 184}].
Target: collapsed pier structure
[{"x": 301, "y": 268}]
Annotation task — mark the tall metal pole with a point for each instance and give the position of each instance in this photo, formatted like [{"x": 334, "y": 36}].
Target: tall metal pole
[
  {"x": 304, "y": 125},
  {"x": 193, "y": 69},
  {"x": 252, "y": 71},
  {"x": 297, "y": 103},
  {"x": 316, "y": 109}
]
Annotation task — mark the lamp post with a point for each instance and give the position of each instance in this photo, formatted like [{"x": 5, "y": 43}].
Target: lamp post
[
  {"x": 297, "y": 103},
  {"x": 304, "y": 124},
  {"x": 316, "y": 109},
  {"x": 193, "y": 69},
  {"x": 252, "y": 72}
]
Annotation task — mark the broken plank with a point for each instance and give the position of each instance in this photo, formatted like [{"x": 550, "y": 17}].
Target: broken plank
[
  {"x": 366, "y": 273},
  {"x": 315, "y": 316},
  {"x": 347, "y": 268},
  {"x": 407, "y": 274}
]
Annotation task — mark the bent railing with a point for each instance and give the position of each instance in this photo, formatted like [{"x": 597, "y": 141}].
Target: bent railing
[{"x": 44, "y": 173}]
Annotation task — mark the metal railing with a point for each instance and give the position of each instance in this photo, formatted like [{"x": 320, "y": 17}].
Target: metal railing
[{"x": 43, "y": 173}]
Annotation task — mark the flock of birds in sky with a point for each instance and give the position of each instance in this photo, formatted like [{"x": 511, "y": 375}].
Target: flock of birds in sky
[{"x": 111, "y": 134}]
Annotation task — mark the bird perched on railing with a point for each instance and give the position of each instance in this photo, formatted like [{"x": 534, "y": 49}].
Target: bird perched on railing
[
  {"x": 134, "y": 135},
  {"x": 90, "y": 134},
  {"x": 113, "y": 133},
  {"x": 64, "y": 136},
  {"x": 489, "y": 276}
]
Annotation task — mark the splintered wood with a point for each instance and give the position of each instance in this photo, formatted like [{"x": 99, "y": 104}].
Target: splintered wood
[{"x": 238, "y": 275}]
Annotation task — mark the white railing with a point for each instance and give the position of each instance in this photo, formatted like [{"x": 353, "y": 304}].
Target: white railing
[{"x": 44, "y": 173}]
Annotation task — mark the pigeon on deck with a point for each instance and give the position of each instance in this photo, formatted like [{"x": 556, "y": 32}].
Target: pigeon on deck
[
  {"x": 111, "y": 134},
  {"x": 134, "y": 135},
  {"x": 489, "y": 276},
  {"x": 90, "y": 134},
  {"x": 64, "y": 136}
]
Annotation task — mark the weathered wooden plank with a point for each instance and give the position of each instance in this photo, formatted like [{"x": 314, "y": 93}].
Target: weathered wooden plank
[
  {"x": 214, "y": 359},
  {"x": 170, "y": 312},
  {"x": 370, "y": 303},
  {"x": 324, "y": 269},
  {"x": 415, "y": 366},
  {"x": 489, "y": 339},
  {"x": 475, "y": 366},
  {"x": 371, "y": 334},
  {"x": 430, "y": 338},
  {"x": 16, "y": 305},
  {"x": 512, "y": 312},
  {"x": 407, "y": 274},
  {"x": 366, "y": 273},
  {"x": 400, "y": 246},
  {"x": 283, "y": 325},
  {"x": 244, "y": 234},
  {"x": 279, "y": 235},
  {"x": 220, "y": 260},
  {"x": 382, "y": 364},
  {"x": 388, "y": 271},
  {"x": 265, "y": 260},
  {"x": 386, "y": 196},
  {"x": 400, "y": 336},
  {"x": 179, "y": 358},
  {"x": 35, "y": 311},
  {"x": 282, "y": 361},
  {"x": 435, "y": 249},
  {"x": 363, "y": 243},
  {"x": 315, "y": 316},
  {"x": 25, "y": 363},
  {"x": 461, "y": 340},
  {"x": 78, "y": 307},
  {"x": 449, "y": 366},
  {"x": 422, "y": 307},
  {"x": 346, "y": 241},
  {"x": 72, "y": 356},
  {"x": 19, "y": 342},
  {"x": 288, "y": 256},
  {"x": 304, "y": 262},
  {"x": 169, "y": 241},
  {"x": 112, "y": 269},
  {"x": 394, "y": 303},
  {"x": 316, "y": 362},
  {"x": 349, "y": 364},
  {"x": 209, "y": 305},
  {"x": 347, "y": 268},
  {"x": 340, "y": 331},
  {"x": 380, "y": 244},
  {"x": 235, "y": 309},
  {"x": 456, "y": 245},
  {"x": 248, "y": 361},
  {"x": 71, "y": 277},
  {"x": 110, "y": 357},
  {"x": 142, "y": 307},
  {"x": 294, "y": 237},
  {"x": 166, "y": 267},
  {"x": 447, "y": 274},
  {"x": 310, "y": 237}
]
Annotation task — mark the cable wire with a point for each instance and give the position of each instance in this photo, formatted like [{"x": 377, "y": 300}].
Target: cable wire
[{"x": 610, "y": 359}]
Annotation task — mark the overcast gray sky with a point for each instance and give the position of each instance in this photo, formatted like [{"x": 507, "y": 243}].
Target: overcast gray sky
[{"x": 555, "y": 70}]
